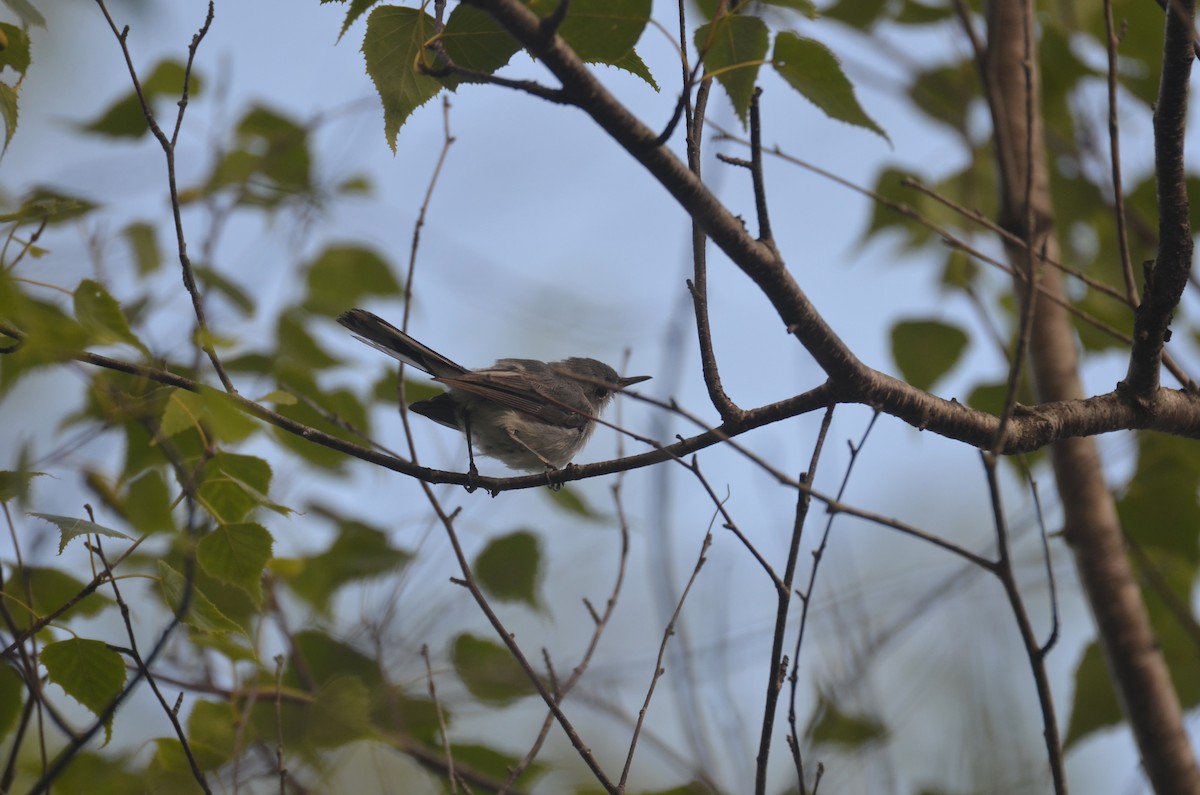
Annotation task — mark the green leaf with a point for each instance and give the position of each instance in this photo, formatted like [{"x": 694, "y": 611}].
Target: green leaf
[
  {"x": 202, "y": 614},
  {"x": 237, "y": 554},
  {"x": 148, "y": 504},
  {"x": 734, "y": 48},
  {"x": 143, "y": 242},
  {"x": 1160, "y": 508},
  {"x": 632, "y": 62},
  {"x": 53, "y": 207},
  {"x": 209, "y": 411},
  {"x": 51, "y": 589},
  {"x": 15, "y": 485},
  {"x": 214, "y": 282},
  {"x": 338, "y": 715},
  {"x": 831, "y": 726},
  {"x": 805, "y": 7},
  {"x": 101, "y": 315},
  {"x": 602, "y": 31},
  {"x": 234, "y": 485},
  {"x": 125, "y": 118},
  {"x": 69, "y": 527},
  {"x": 212, "y": 732},
  {"x": 914, "y": 12},
  {"x": 474, "y": 40},
  {"x": 508, "y": 568},
  {"x": 358, "y": 551},
  {"x": 393, "y": 47},
  {"x": 15, "y": 54},
  {"x": 341, "y": 276},
  {"x": 1095, "y": 704},
  {"x": 812, "y": 69},
  {"x": 325, "y": 659},
  {"x": 925, "y": 350},
  {"x": 859, "y": 14},
  {"x": 12, "y": 697},
  {"x": 487, "y": 760},
  {"x": 571, "y": 500},
  {"x": 88, "y": 671},
  {"x": 357, "y": 9},
  {"x": 9, "y": 113},
  {"x": 489, "y": 671}
]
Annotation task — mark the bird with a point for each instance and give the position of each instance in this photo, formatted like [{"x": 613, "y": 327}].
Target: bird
[{"x": 528, "y": 414}]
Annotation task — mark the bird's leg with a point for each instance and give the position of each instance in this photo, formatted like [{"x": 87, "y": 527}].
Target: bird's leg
[
  {"x": 472, "y": 473},
  {"x": 512, "y": 434}
]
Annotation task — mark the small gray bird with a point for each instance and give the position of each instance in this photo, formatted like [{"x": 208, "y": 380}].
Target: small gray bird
[{"x": 529, "y": 414}]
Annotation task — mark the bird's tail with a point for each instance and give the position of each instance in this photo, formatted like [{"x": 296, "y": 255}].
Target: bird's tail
[{"x": 378, "y": 333}]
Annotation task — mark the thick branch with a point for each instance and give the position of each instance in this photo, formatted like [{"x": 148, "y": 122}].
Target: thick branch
[{"x": 757, "y": 260}]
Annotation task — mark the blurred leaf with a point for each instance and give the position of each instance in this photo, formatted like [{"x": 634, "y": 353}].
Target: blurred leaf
[
  {"x": 29, "y": 15},
  {"x": 393, "y": 46},
  {"x": 88, "y": 671},
  {"x": 125, "y": 118},
  {"x": 9, "y": 113},
  {"x": 947, "y": 92},
  {"x": 213, "y": 282},
  {"x": 12, "y": 697},
  {"x": 209, "y": 411},
  {"x": 509, "y": 567},
  {"x": 316, "y": 410},
  {"x": 143, "y": 242},
  {"x": 489, "y": 671},
  {"x": 101, "y": 315},
  {"x": 69, "y": 527},
  {"x": 805, "y": 7},
  {"x": 1095, "y": 704},
  {"x": 42, "y": 203},
  {"x": 914, "y": 12},
  {"x": 148, "y": 504},
  {"x": 571, "y": 500},
  {"x": 211, "y": 732},
  {"x": 237, "y": 554},
  {"x": 15, "y": 53},
  {"x": 859, "y": 14},
  {"x": 326, "y": 659},
  {"x": 812, "y": 69},
  {"x": 1160, "y": 508},
  {"x": 831, "y": 726},
  {"x": 234, "y": 485},
  {"x": 925, "y": 350},
  {"x": 341, "y": 276},
  {"x": 15, "y": 485},
  {"x": 51, "y": 589},
  {"x": 96, "y": 774},
  {"x": 358, "y": 551},
  {"x": 202, "y": 614},
  {"x": 489, "y": 761},
  {"x": 339, "y": 713},
  {"x": 415, "y": 389},
  {"x": 990, "y": 397},
  {"x": 734, "y": 48}
]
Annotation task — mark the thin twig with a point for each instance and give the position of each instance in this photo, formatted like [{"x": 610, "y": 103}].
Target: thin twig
[
  {"x": 1033, "y": 650},
  {"x": 783, "y": 594},
  {"x": 168, "y": 147},
  {"x": 662, "y": 650},
  {"x": 441, "y": 719}
]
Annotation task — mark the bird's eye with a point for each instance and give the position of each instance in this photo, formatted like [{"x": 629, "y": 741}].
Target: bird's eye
[{"x": 599, "y": 391}]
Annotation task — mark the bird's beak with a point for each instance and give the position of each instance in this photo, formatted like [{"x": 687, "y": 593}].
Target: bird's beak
[{"x": 633, "y": 379}]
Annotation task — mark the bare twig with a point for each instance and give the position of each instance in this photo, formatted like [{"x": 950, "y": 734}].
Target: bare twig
[
  {"x": 168, "y": 147},
  {"x": 783, "y": 594},
  {"x": 662, "y": 650}
]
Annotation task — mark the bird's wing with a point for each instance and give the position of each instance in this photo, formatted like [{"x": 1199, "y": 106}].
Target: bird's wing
[{"x": 510, "y": 387}]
